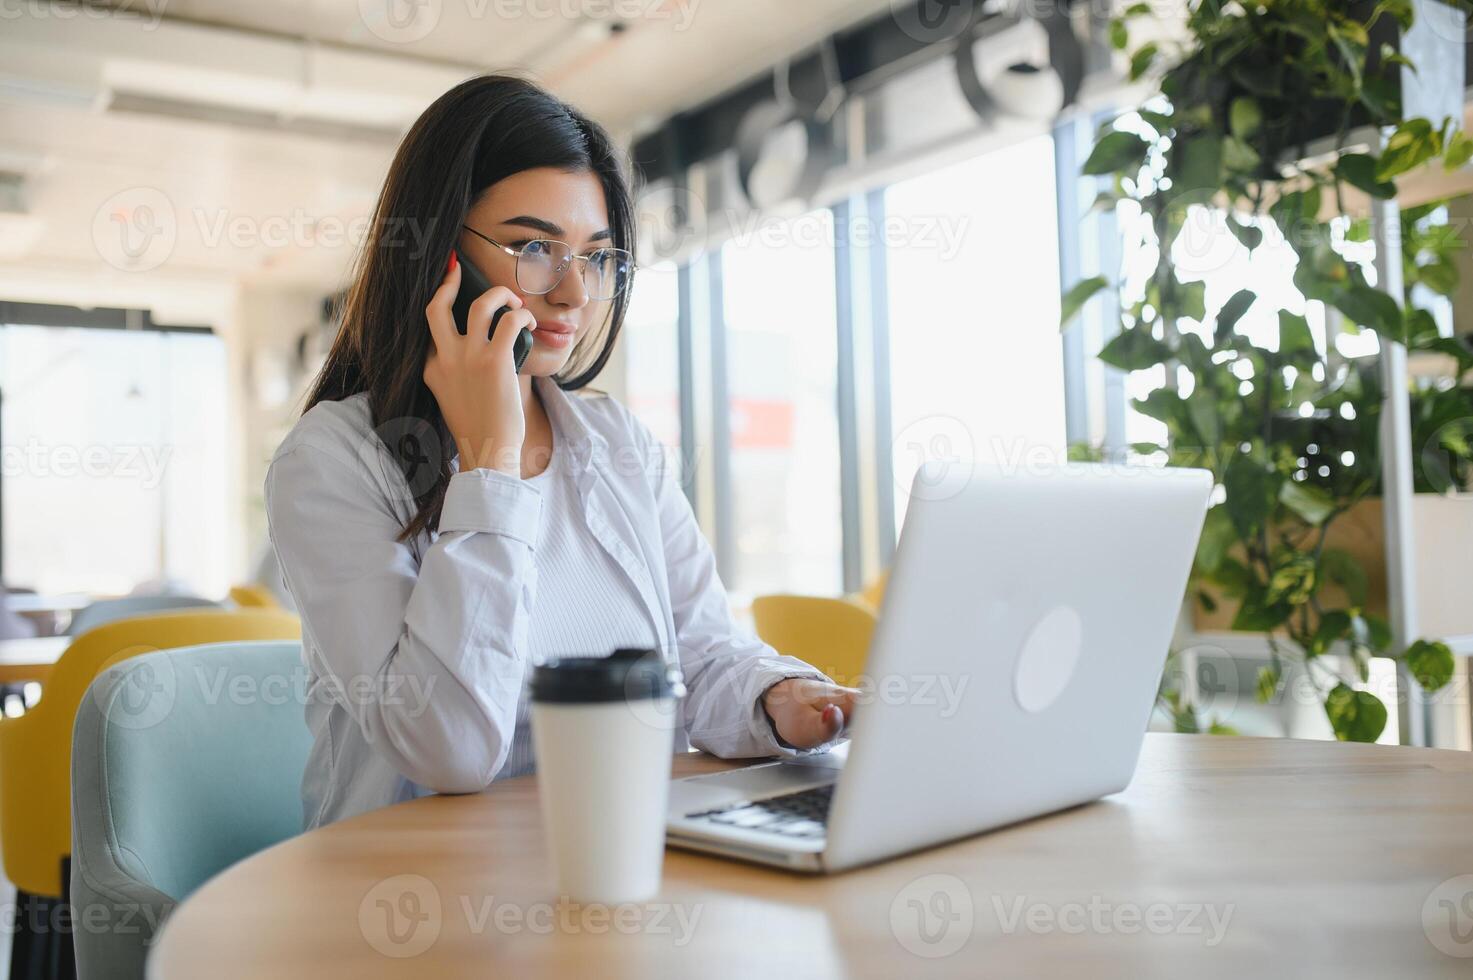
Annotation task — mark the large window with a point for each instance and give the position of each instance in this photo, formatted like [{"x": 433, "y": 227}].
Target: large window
[
  {"x": 781, "y": 374},
  {"x": 976, "y": 362},
  {"x": 114, "y": 459},
  {"x": 651, "y": 342}
]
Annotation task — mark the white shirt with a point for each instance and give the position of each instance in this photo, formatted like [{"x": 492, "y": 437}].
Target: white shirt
[
  {"x": 585, "y": 605},
  {"x": 418, "y": 652}
]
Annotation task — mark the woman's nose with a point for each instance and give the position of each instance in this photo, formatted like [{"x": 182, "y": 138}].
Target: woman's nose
[{"x": 570, "y": 293}]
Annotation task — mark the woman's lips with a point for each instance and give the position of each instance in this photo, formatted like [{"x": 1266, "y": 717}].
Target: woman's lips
[{"x": 554, "y": 334}]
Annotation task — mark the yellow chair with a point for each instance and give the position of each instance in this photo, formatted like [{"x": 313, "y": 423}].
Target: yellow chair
[
  {"x": 873, "y": 594},
  {"x": 831, "y": 634},
  {"x": 249, "y": 595},
  {"x": 36, "y": 747}
]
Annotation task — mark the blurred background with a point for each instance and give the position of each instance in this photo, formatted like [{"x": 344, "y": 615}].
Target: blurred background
[{"x": 858, "y": 218}]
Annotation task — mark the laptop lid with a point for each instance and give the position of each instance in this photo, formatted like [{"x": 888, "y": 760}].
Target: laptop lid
[{"x": 1021, "y": 640}]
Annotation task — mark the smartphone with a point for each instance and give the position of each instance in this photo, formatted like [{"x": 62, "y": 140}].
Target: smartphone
[{"x": 472, "y": 284}]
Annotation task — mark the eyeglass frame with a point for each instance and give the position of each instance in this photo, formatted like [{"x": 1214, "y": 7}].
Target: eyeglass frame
[{"x": 517, "y": 253}]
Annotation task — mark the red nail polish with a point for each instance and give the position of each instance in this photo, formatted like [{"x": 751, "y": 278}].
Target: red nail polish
[{"x": 453, "y": 261}]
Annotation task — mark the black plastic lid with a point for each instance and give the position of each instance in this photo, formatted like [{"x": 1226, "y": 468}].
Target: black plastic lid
[{"x": 627, "y": 674}]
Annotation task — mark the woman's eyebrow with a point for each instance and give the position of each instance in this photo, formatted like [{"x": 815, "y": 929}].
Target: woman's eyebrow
[{"x": 550, "y": 228}]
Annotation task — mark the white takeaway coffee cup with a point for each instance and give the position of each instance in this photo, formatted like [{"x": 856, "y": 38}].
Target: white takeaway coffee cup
[{"x": 603, "y": 737}]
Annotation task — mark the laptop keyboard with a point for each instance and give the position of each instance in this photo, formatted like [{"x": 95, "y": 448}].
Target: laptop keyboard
[{"x": 800, "y": 814}]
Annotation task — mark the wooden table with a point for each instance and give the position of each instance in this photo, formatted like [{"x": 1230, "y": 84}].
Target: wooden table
[
  {"x": 30, "y": 658},
  {"x": 1227, "y": 857}
]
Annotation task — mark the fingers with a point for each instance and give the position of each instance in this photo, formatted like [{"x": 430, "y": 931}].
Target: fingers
[
  {"x": 478, "y": 322},
  {"x": 507, "y": 329},
  {"x": 441, "y": 320}
]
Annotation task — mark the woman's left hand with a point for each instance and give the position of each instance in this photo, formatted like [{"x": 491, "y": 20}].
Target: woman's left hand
[{"x": 809, "y": 712}]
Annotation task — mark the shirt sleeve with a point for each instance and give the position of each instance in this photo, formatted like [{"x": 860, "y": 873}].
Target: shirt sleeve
[
  {"x": 727, "y": 667},
  {"x": 426, "y": 654}
]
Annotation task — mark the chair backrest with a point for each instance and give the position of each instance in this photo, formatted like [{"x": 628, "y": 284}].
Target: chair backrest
[
  {"x": 831, "y": 634},
  {"x": 106, "y": 611},
  {"x": 36, "y": 748},
  {"x": 188, "y": 760},
  {"x": 250, "y": 595},
  {"x": 184, "y": 762}
]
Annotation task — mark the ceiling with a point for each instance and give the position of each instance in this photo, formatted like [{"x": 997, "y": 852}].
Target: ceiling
[
  {"x": 86, "y": 158},
  {"x": 669, "y": 55}
]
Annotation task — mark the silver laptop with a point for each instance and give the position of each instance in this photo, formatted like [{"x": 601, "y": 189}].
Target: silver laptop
[{"x": 1012, "y": 672}]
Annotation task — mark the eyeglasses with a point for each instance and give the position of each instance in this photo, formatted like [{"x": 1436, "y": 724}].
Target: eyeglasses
[{"x": 541, "y": 265}]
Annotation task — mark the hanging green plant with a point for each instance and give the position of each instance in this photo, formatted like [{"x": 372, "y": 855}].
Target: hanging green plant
[{"x": 1227, "y": 141}]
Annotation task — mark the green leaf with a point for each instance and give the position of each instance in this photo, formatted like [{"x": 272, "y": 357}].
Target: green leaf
[
  {"x": 1134, "y": 350},
  {"x": 1268, "y": 683},
  {"x": 1238, "y": 156},
  {"x": 1359, "y": 171},
  {"x": 1258, "y": 614},
  {"x": 1216, "y": 538},
  {"x": 1292, "y": 580},
  {"x": 1311, "y": 503},
  {"x": 1250, "y": 235},
  {"x": 1200, "y": 171},
  {"x": 1218, "y": 728},
  {"x": 1413, "y": 144},
  {"x": 1116, "y": 152},
  {"x": 1441, "y": 276},
  {"x": 1231, "y": 312},
  {"x": 1294, "y": 335},
  {"x": 1209, "y": 604},
  {"x": 1161, "y": 122},
  {"x": 1244, "y": 117},
  {"x": 1119, "y": 35},
  {"x": 1371, "y": 308},
  {"x": 1431, "y": 663},
  {"x": 1459, "y": 151},
  {"x": 1344, "y": 570},
  {"x": 1251, "y": 491},
  {"x": 1077, "y": 296},
  {"x": 1356, "y": 716},
  {"x": 1191, "y": 300},
  {"x": 1333, "y": 626},
  {"x": 1140, "y": 62}
]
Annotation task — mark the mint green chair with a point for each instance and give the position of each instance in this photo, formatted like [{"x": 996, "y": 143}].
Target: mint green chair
[{"x": 184, "y": 762}]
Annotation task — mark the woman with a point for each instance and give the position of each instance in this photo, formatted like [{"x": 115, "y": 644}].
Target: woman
[{"x": 444, "y": 521}]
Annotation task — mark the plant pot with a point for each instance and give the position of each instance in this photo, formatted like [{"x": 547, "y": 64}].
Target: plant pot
[{"x": 1442, "y": 549}]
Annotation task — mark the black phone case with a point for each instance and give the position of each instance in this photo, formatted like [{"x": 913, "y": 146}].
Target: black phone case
[{"x": 472, "y": 284}]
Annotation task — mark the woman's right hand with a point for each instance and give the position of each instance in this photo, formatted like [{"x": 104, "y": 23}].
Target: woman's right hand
[{"x": 474, "y": 379}]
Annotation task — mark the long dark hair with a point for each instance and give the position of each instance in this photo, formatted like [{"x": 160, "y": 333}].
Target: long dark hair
[{"x": 483, "y": 130}]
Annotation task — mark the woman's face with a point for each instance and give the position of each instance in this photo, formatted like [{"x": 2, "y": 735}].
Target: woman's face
[{"x": 550, "y": 204}]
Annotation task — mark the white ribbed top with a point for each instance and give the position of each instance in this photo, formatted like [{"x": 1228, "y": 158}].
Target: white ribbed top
[{"x": 585, "y": 603}]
